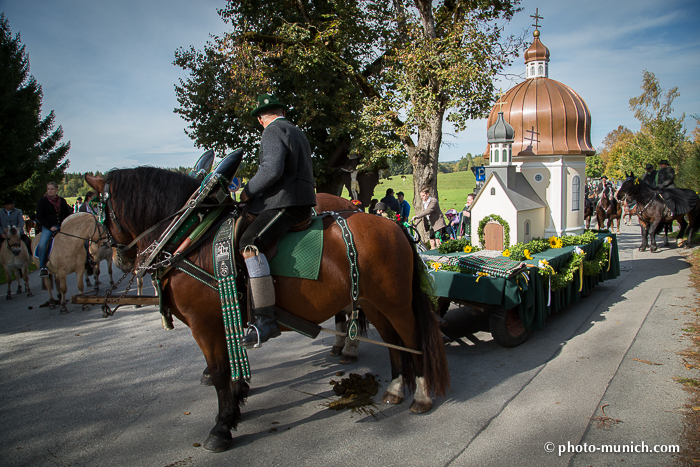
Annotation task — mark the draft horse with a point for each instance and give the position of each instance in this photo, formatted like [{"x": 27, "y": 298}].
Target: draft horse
[
  {"x": 390, "y": 293},
  {"x": 608, "y": 209},
  {"x": 652, "y": 212}
]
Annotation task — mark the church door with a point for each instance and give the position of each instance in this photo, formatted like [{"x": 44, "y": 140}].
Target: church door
[{"x": 493, "y": 236}]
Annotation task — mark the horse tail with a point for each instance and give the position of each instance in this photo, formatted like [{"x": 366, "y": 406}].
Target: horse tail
[{"x": 435, "y": 371}]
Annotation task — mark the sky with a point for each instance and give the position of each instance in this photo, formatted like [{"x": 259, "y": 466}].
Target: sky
[{"x": 106, "y": 68}]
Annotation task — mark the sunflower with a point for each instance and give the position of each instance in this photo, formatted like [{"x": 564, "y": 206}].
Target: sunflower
[
  {"x": 527, "y": 254},
  {"x": 559, "y": 243},
  {"x": 553, "y": 241},
  {"x": 506, "y": 252},
  {"x": 468, "y": 249}
]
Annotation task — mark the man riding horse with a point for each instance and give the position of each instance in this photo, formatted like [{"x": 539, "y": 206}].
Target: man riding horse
[
  {"x": 650, "y": 176},
  {"x": 282, "y": 194},
  {"x": 12, "y": 217}
]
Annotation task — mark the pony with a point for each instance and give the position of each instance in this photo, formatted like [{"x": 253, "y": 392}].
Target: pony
[
  {"x": 99, "y": 252},
  {"x": 69, "y": 254},
  {"x": 628, "y": 211},
  {"x": 652, "y": 211},
  {"x": 588, "y": 209},
  {"x": 15, "y": 257},
  {"x": 607, "y": 209},
  {"x": 390, "y": 294}
]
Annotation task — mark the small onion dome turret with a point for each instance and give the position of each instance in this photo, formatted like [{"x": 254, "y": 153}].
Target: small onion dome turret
[
  {"x": 537, "y": 51},
  {"x": 501, "y": 131}
]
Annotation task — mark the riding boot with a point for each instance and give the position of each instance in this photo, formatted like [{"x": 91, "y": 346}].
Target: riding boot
[
  {"x": 264, "y": 325},
  {"x": 262, "y": 292}
]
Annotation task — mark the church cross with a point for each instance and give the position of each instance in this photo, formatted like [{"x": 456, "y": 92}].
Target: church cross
[
  {"x": 532, "y": 136},
  {"x": 537, "y": 17},
  {"x": 500, "y": 102}
]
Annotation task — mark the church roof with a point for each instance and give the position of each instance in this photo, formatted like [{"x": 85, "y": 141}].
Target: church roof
[
  {"x": 521, "y": 195},
  {"x": 501, "y": 131},
  {"x": 548, "y": 116}
]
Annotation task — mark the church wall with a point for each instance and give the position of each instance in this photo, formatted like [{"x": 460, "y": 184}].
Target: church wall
[
  {"x": 499, "y": 204},
  {"x": 575, "y": 167},
  {"x": 536, "y": 219}
]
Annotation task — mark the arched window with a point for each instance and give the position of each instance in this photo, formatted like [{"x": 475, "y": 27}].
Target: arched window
[
  {"x": 532, "y": 70},
  {"x": 527, "y": 228},
  {"x": 510, "y": 155},
  {"x": 495, "y": 155},
  {"x": 540, "y": 70},
  {"x": 493, "y": 191},
  {"x": 576, "y": 193}
]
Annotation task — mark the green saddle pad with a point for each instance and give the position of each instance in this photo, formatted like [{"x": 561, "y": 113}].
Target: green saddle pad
[{"x": 300, "y": 253}]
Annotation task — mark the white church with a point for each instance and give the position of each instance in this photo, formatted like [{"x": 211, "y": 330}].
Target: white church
[{"x": 539, "y": 135}]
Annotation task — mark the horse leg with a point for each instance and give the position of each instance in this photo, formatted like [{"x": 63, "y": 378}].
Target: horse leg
[
  {"x": 339, "y": 342},
  {"x": 8, "y": 276},
  {"x": 25, "y": 272},
  {"x": 349, "y": 351},
  {"x": 652, "y": 233},
  {"x": 109, "y": 271},
  {"x": 645, "y": 231},
  {"x": 62, "y": 289}
]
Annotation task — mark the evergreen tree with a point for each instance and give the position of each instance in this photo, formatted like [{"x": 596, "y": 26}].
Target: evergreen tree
[{"x": 30, "y": 150}]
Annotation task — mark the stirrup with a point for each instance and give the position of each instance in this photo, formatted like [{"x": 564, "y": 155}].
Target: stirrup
[{"x": 257, "y": 332}]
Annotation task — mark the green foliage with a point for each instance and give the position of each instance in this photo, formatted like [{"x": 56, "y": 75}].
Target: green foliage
[
  {"x": 454, "y": 246},
  {"x": 30, "y": 150},
  {"x": 500, "y": 220}
]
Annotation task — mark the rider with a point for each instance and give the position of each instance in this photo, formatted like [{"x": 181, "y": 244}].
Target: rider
[
  {"x": 665, "y": 176},
  {"x": 282, "y": 194},
  {"x": 12, "y": 217},
  {"x": 650, "y": 176},
  {"x": 604, "y": 183},
  {"x": 50, "y": 212}
]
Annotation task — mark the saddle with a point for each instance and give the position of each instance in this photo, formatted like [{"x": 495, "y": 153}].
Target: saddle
[
  {"x": 246, "y": 218},
  {"x": 49, "y": 247}
]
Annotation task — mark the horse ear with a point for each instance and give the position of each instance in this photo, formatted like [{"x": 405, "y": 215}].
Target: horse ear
[
  {"x": 631, "y": 174},
  {"x": 97, "y": 182}
]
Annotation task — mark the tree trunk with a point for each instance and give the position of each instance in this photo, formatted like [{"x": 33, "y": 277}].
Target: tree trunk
[{"x": 424, "y": 160}]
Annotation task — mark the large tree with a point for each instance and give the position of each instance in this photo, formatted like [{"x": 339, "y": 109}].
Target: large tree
[
  {"x": 30, "y": 150},
  {"x": 373, "y": 79}
]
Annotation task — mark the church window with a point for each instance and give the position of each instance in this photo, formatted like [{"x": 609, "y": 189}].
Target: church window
[
  {"x": 493, "y": 191},
  {"x": 575, "y": 193},
  {"x": 532, "y": 70},
  {"x": 540, "y": 70},
  {"x": 510, "y": 155},
  {"x": 495, "y": 155},
  {"x": 527, "y": 228}
]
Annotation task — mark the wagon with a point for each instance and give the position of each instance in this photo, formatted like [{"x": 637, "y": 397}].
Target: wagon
[{"x": 518, "y": 305}]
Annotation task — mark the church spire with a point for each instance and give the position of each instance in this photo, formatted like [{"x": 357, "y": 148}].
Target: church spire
[{"x": 537, "y": 55}]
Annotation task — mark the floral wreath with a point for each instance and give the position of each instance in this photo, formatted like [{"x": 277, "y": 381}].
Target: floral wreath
[{"x": 500, "y": 220}]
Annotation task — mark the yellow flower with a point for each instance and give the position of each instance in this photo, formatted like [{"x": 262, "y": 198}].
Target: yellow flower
[
  {"x": 553, "y": 242},
  {"x": 436, "y": 266},
  {"x": 559, "y": 243},
  {"x": 527, "y": 255},
  {"x": 608, "y": 239},
  {"x": 468, "y": 249},
  {"x": 506, "y": 252}
]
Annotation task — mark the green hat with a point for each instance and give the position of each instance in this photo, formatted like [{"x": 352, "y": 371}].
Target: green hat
[{"x": 267, "y": 102}]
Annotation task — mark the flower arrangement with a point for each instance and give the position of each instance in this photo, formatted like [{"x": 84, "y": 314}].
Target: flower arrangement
[
  {"x": 506, "y": 252},
  {"x": 500, "y": 220}
]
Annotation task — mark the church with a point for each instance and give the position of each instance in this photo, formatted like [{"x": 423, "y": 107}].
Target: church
[{"x": 539, "y": 135}]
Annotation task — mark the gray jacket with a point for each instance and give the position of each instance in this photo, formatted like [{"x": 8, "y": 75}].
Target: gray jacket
[
  {"x": 285, "y": 174},
  {"x": 12, "y": 219},
  {"x": 433, "y": 215}
]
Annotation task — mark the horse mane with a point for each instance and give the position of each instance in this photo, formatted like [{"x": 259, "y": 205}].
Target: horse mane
[{"x": 147, "y": 195}]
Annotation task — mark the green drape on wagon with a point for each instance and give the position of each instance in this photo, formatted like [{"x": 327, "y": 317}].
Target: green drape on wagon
[{"x": 528, "y": 297}]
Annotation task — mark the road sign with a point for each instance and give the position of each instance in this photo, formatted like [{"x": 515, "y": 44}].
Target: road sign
[{"x": 235, "y": 184}]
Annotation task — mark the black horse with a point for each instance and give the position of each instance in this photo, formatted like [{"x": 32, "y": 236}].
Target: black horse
[{"x": 652, "y": 211}]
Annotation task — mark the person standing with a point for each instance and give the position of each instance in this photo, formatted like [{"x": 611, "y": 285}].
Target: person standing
[
  {"x": 86, "y": 206},
  {"x": 433, "y": 222},
  {"x": 391, "y": 202},
  {"x": 281, "y": 193},
  {"x": 78, "y": 204},
  {"x": 465, "y": 228},
  {"x": 12, "y": 217},
  {"x": 404, "y": 207},
  {"x": 51, "y": 211}
]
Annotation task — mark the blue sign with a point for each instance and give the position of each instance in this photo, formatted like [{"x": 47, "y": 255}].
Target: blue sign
[
  {"x": 480, "y": 174},
  {"x": 235, "y": 184}
]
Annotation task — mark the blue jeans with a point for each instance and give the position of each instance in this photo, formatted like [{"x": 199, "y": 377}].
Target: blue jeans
[{"x": 43, "y": 246}]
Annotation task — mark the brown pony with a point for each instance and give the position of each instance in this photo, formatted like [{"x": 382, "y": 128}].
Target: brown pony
[
  {"x": 390, "y": 290},
  {"x": 629, "y": 211},
  {"x": 608, "y": 209},
  {"x": 15, "y": 257}
]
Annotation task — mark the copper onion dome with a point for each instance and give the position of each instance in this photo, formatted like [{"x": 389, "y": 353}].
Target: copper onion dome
[{"x": 548, "y": 117}]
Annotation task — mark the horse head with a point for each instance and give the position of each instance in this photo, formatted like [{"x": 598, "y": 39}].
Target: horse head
[
  {"x": 14, "y": 242},
  {"x": 116, "y": 235},
  {"x": 629, "y": 186}
]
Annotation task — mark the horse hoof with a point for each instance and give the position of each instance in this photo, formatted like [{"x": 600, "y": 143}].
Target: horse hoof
[
  {"x": 88, "y": 283},
  {"x": 347, "y": 360},
  {"x": 64, "y": 311},
  {"x": 86, "y": 308},
  {"x": 217, "y": 444},
  {"x": 390, "y": 398},
  {"x": 205, "y": 380},
  {"x": 29, "y": 294},
  {"x": 421, "y": 407},
  {"x": 52, "y": 307},
  {"x": 336, "y": 351},
  {"x": 138, "y": 306}
]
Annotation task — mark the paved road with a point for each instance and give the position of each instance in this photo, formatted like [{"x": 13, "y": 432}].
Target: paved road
[{"x": 80, "y": 390}]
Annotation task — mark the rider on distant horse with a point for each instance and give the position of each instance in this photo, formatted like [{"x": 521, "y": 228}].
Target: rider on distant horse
[
  {"x": 50, "y": 212},
  {"x": 281, "y": 193},
  {"x": 665, "y": 176},
  {"x": 12, "y": 217},
  {"x": 605, "y": 184},
  {"x": 650, "y": 176}
]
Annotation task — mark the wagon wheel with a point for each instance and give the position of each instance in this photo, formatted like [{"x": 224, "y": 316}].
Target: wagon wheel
[{"x": 507, "y": 329}]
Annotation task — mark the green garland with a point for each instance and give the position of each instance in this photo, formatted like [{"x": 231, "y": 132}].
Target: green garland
[
  {"x": 565, "y": 276},
  {"x": 500, "y": 220}
]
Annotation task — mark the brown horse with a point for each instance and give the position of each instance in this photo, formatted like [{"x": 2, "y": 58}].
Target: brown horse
[
  {"x": 608, "y": 209},
  {"x": 629, "y": 211},
  {"x": 390, "y": 291},
  {"x": 15, "y": 257},
  {"x": 588, "y": 209}
]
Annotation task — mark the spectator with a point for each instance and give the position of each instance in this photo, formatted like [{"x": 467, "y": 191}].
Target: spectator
[
  {"x": 391, "y": 202},
  {"x": 453, "y": 219},
  {"x": 372, "y": 206},
  {"x": 380, "y": 210},
  {"x": 87, "y": 206},
  {"x": 433, "y": 221},
  {"x": 404, "y": 207},
  {"x": 78, "y": 204},
  {"x": 465, "y": 229}
]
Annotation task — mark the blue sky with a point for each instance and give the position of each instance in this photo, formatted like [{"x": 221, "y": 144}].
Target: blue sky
[{"x": 106, "y": 68}]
